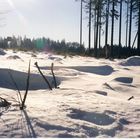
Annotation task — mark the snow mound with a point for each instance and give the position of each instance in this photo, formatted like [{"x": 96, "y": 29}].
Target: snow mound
[
  {"x": 2, "y": 52},
  {"x": 131, "y": 61},
  {"x": 13, "y": 57},
  {"x": 55, "y": 58}
]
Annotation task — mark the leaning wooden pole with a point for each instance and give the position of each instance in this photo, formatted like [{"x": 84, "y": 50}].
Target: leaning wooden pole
[
  {"x": 55, "y": 83},
  {"x": 27, "y": 88},
  {"x": 43, "y": 76}
]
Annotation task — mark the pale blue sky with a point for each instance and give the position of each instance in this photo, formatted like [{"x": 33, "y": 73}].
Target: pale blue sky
[{"x": 56, "y": 19}]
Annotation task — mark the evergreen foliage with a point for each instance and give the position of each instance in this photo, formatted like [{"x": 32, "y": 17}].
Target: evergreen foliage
[{"x": 63, "y": 47}]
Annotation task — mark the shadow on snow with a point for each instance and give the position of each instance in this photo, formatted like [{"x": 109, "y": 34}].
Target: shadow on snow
[{"x": 36, "y": 80}]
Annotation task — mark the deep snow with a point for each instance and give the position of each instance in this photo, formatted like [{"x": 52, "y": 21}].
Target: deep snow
[{"x": 91, "y": 101}]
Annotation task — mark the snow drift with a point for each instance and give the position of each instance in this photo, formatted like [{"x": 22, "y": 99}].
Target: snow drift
[
  {"x": 2, "y": 52},
  {"x": 131, "y": 61}
]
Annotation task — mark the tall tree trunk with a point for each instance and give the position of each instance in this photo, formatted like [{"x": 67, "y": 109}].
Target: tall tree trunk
[
  {"x": 138, "y": 44},
  {"x": 127, "y": 17},
  {"x": 95, "y": 16},
  {"x": 130, "y": 27},
  {"x": 97, "y": 31},
  {"x": 81, "y": 17},
  {"x": 100, "y": 28},
  {"x": 89, "y": 41},
  {"x": 120, "y": 29},
  {"x": 106, "y": 27},
  {"x": 112, "y": 29}
]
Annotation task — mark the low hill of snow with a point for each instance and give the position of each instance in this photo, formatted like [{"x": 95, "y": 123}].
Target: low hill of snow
[
  {"x": 131, "y": 61},
  {"x": 2, "y": 52}
]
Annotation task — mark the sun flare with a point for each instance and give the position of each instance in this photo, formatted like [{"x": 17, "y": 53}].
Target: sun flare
[{"x": 20, "y": 16}]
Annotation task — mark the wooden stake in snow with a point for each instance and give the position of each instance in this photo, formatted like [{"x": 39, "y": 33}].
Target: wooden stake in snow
[
  {"x": 55, "y": 84},
  {"x": 130, "y": 98},
  {"x": 27, "y": 88},
  {"x": 43, "y": 76}
]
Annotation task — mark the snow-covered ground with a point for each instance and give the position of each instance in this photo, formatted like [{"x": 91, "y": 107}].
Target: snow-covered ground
[{"x": 91, "y": 101}]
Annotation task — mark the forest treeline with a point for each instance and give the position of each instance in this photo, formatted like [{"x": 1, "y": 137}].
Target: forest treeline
[
  {"x": 42, "y": 44},
  {"x": 60, "y": 47},
  {"x": 107, "y": 16}
]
